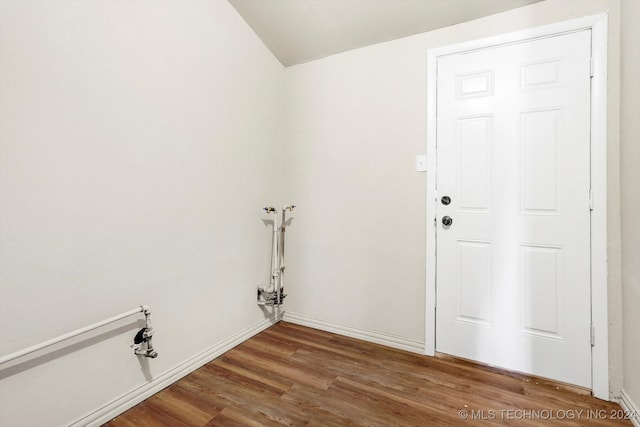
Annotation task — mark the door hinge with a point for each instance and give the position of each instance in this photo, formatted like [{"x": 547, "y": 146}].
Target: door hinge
[
  {"x": 593, "y": 336},
  {"x": 593, "y": 67},
  {"x": 590, "y": 199}
]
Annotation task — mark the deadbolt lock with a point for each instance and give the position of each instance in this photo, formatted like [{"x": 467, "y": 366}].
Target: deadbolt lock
[{"x": 445, "y": 200}]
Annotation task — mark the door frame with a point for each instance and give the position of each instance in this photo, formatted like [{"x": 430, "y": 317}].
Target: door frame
[{"x": 598, "y": 24}]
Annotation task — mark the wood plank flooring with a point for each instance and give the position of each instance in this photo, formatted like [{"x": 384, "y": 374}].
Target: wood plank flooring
[{"x": 297, "y": 376}]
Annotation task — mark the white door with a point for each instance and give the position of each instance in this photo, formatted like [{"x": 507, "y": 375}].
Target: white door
[{"x": 513, "y": 150}]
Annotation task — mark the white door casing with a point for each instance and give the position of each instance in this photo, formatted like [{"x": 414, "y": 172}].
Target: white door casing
[{"x": 513, "y": 270}]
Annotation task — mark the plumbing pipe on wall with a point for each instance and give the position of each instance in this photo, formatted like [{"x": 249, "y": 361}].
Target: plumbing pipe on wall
[
  {"x": 273, "y": 294},
  {"x": 268, "y": 293},
  {"x": 281, "y": 267},
  {"x": 142, "y": 309}
]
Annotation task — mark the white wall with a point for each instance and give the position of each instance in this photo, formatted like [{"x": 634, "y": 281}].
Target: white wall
[
  {"x": 630, "y": 182},
  {"x": 356, "y": 121},
  {"x": 356, "y": 256},
  {"x": 137, "y": 147}
]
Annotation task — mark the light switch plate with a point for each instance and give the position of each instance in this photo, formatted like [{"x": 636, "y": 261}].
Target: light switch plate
[{"x": 421, "y": 163}]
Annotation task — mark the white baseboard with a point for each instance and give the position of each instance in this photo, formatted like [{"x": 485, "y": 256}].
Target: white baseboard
[
  {"x": 363, "y": 334},
  {"x": 630, "y": 407},
  {"x": 135, "y": 396}
]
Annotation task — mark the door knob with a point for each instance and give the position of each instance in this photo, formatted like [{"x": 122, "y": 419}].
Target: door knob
[
  {"x": 445, "y": 200},
  {"x": 447, "y": 220}
]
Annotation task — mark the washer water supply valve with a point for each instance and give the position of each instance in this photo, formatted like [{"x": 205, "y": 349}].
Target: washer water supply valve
[
  {"x": 142, "y": 345},
  {"x": 268, "y": 296}
]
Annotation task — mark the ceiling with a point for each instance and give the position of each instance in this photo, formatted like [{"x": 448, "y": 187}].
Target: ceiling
[{"x": 299, "y": 31}]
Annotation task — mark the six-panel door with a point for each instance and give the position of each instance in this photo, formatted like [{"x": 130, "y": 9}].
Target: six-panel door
[{"x": 513, "y": 281}]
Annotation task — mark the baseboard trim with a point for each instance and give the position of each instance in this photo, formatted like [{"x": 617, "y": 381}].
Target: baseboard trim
[
  {"x": 630, "y": 407},
  {"x": 359, "y": 333},
  {"x": 137, "y": 395}
]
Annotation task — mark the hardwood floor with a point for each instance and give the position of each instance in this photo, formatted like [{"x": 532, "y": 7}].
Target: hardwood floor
[{"x": 297, "y": 376}]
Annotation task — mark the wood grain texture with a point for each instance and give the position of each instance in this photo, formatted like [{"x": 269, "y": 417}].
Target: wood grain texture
[{"x": 292, "y": 375}]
